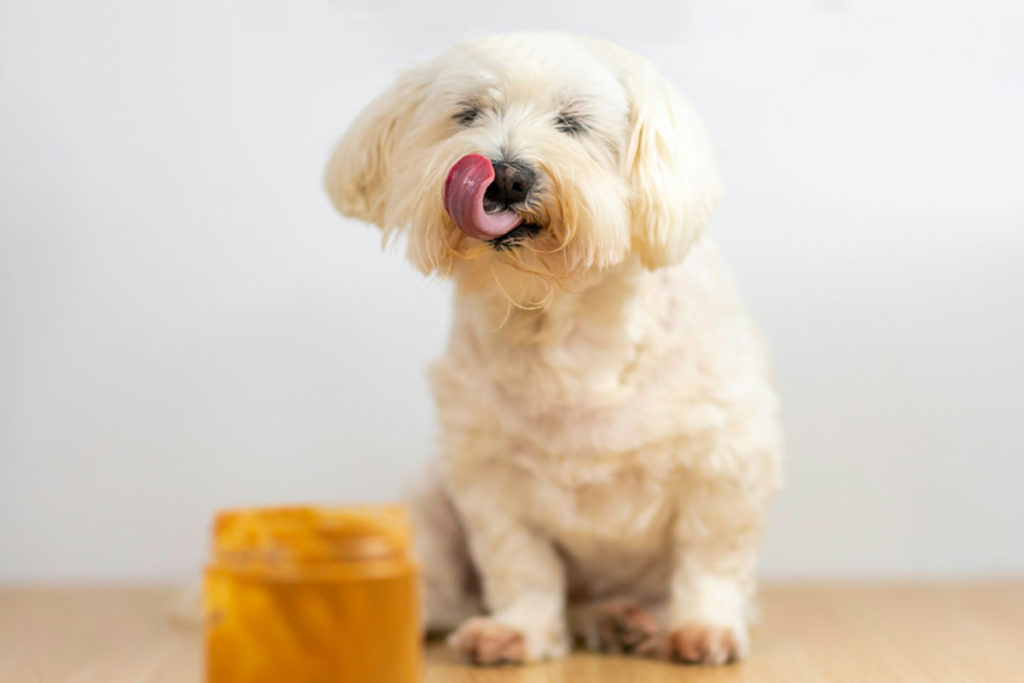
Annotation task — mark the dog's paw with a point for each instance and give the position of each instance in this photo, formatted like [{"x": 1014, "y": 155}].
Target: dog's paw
[
  {"x": 484, "y": 641},
  {"x": 625, "y": 627},
  {"x": 697, "y": 643}
]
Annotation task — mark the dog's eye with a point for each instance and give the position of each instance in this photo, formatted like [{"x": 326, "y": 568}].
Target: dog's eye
[
  {"x": 569, "y": 123},
  {"x": 466, "y": 116}
]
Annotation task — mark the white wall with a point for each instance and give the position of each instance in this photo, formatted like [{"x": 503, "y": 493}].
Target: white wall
[{"x": 186, "y": 325}]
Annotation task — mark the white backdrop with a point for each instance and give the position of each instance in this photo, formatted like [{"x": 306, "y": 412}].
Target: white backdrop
[{"x": 186, "y": 325}]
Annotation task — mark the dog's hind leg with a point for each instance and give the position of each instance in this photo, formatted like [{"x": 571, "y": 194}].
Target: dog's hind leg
[
  {"x": 449, "y": 588},
  {"x": 619, "y": 626}
]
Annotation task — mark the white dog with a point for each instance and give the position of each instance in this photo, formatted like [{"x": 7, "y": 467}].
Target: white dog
[{"x": 609, "y": 430}]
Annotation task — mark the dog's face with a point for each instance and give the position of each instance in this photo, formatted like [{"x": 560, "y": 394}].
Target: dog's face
[{"x": 595, "y": 158}]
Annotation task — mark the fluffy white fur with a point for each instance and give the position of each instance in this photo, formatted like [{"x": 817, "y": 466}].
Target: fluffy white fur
[{"x": 609, "y": 431}]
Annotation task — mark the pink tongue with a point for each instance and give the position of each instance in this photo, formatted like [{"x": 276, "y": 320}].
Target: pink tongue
[{"x": 464, "y": 199}]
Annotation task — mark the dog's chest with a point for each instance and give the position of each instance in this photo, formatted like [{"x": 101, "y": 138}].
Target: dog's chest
[
  {"x": 609, "y": 377},
  {"x": 594, "y": 362},
  {"x": 612, "y": 534},
  {"x": 628, "y": 508}
]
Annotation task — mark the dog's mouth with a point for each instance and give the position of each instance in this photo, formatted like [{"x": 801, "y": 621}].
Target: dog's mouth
[
  {"x": 475, "y": 213},
  {"x": 515, "y": 237}
]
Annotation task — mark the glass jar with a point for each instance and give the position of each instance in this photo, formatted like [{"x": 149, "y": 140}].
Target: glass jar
[{"x": 312, "y": 595}]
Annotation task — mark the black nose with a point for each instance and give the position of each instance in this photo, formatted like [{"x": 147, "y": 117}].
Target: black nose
[{"x": 512, "y": 183}]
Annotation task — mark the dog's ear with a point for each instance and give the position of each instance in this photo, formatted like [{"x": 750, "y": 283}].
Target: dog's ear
[
  {"x": 357, "y": 174},
  {"x": 670, "y": 167}
]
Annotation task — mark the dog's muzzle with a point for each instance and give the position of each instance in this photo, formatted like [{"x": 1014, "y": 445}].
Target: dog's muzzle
[{"x": 478, "y": 196}]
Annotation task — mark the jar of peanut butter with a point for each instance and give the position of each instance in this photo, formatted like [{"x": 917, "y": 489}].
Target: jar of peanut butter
[{"x": 312, "y": 595}]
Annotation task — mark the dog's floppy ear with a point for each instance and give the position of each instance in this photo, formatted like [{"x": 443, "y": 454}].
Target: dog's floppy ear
[
  {"x": 669, "y": 165},
  {"x": 357, "y": 174}
]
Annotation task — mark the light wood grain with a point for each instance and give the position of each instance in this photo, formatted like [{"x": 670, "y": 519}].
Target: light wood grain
[{"x": 967, "y": 632}]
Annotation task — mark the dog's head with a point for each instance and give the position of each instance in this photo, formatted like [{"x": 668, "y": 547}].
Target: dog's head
[{"x": 526, "y": 160}]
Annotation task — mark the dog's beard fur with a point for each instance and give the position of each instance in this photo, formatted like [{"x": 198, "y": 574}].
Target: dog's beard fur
[{"x": 634, "y": 177}]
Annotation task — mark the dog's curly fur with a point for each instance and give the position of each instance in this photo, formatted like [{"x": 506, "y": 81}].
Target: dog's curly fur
[{"x": 609, "y": 429}]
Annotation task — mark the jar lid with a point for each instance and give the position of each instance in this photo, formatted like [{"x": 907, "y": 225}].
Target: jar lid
[{"x": 289, "y": 537}]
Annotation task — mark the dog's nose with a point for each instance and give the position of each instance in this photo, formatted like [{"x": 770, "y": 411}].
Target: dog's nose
[{"x": 511, "y": 185}]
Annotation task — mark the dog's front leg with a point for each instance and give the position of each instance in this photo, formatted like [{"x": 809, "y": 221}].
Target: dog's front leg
[
  {"x": 716, "y": 532},
  {"x": 523, "y": 582}
]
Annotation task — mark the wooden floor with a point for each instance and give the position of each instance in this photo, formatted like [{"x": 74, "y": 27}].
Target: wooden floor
[{"x": 966, "y": 632}]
